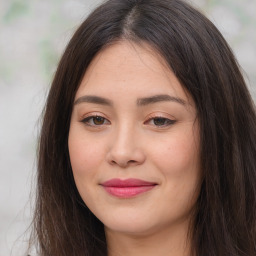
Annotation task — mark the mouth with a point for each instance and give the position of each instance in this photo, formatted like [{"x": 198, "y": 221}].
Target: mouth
[{"x": 127, "y": 188}]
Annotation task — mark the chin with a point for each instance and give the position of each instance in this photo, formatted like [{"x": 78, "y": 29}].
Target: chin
[
  {"x": 130, "y": 228},
  {"x": 142, "y": 224},
  {"x": 138, "y": 225}
]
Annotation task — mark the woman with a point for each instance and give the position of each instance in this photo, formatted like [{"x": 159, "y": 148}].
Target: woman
[{"x": 148, "y": 141}]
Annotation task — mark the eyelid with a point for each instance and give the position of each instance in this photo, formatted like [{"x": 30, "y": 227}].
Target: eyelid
[
  {"x": 92, "y": 114},
  {"x": 84, "y": 119},
  {"x": 152, "y": 116}
]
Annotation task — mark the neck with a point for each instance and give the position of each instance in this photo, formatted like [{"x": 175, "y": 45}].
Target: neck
[{"x": 168, "y": 242}]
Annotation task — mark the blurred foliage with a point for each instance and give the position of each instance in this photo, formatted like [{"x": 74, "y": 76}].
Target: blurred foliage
[
  {"x": 15, "y": 10},
  {"x": 48, "y": 57},
  {"x": 44, "y": 27}
]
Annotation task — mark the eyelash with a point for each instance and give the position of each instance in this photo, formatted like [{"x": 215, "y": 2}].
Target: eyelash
[
  {"x": 92, "y": 118},
  {"x": 167, "y": 122}
]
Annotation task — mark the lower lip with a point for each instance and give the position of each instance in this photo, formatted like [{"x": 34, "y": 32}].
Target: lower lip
[{"x": 127, "y": 192}]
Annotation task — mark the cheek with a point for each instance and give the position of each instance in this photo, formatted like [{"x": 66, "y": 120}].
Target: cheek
[
  {"x": 177, "y": 158},
  {"x": 177, "y": 154},
  {"x": 85, "y": 158},
  {"x": 84, "y": 155}
]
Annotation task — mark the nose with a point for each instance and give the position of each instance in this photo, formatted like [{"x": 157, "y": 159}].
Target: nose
[{"x": 125, "y": 149}]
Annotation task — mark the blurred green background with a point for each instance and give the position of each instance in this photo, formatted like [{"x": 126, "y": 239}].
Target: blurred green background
[{"x": 33, "y": 35}]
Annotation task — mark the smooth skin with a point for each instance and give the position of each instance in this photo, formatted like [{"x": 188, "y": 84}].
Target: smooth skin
[{"x": 133, "y": 119}]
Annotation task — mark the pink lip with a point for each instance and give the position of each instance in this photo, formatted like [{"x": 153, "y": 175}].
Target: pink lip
[{"x": 127, "y": 188}]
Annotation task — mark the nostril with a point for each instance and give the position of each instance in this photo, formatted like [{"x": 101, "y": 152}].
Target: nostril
[
  {"x": 125, "y": 158},
  {"x": 113, "y": 162},
  {"x": 123, "y": 164}
]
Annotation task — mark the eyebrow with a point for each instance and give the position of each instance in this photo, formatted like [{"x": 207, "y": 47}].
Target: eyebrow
[
  {"x": 159, "y": 98},
  {"x": 93, "y": 99},
  {"x": 140, "y": 102}
]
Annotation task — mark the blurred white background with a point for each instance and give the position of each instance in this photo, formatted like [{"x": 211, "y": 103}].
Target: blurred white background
[{"x": 33, "y": 35}]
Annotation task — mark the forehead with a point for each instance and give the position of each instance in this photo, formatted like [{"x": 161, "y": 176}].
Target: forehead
[{"x": 127, "y": 67}]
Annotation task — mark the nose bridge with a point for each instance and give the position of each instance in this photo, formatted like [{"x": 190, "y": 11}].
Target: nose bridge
[
  {"x": 125, "y": 147},
  {"x": 125, "y": 134}
]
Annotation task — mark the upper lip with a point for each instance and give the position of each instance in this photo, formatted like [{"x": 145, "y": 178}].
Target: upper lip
[{"x": 127, "y": 183}]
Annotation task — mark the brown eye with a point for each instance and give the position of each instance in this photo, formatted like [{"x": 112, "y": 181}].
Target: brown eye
[
  {"x": 161, "y": 122},
  {"x": 98, "y": 120},
  {"x": 95, "y": 121}
]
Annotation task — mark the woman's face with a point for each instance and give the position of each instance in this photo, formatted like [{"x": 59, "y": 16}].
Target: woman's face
[{"x": 134, "y": 142}]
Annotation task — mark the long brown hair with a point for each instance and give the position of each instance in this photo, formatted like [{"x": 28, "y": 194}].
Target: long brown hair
[{"x": 225, "y": 216}]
